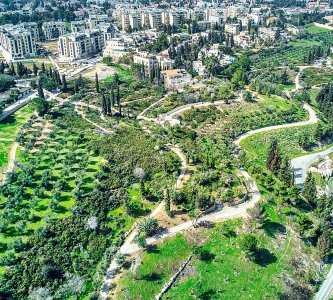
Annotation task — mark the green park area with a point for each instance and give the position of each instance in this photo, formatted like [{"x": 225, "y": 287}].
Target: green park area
[
  {"x": 9, "y": 129},
  {"x": 295, "y": 52}
]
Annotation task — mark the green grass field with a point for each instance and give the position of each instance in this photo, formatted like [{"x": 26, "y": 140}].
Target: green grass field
[
  {"x": 256, "y": 146},
  {"x": 9, "y": 128},
  {"x": 226, "y": 274},
  {"x": 316, "y": 30},
  {"x": 123, "y": 72}
]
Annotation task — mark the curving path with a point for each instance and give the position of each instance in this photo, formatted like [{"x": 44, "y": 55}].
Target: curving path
[
  {"x": 302, "y": 163},
  {"x": 313, "y": 119},
  {"x": 220, "y": 214}
]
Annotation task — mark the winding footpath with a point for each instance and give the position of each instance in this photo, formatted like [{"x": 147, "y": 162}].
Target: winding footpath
[{"x": 313, "y": 119}]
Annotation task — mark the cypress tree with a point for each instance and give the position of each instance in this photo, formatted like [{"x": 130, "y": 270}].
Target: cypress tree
[
  {"x": 97, "y": 83},
  {"x": 286, "y": 173},
  {"x": 64, "y": 83},
  {"x": 108, "y": 106},
  {"x": 112, "y": 96},
  {"x": 35, "y": 69},
  {"x": 40, "y": 90},
  {"x": 104, "y": 105},
  {"x": 273, "y": 162},
  {"x": 43, "y": 68},
  {"x": 324, "y": 244},
  {"x": 310, "y": 190}
]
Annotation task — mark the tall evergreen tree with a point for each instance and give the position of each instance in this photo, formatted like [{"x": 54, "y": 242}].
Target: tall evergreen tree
[
  {"x": 40, "y": 90},
  {"x": 286, "y": 173},
  {"x": 273, "y": 162},
  {"x": 104, "y": 105},
  {"x": 310, "y": 190},
  {"x": 97, "y": 83},
  {"x": 64, "y": 83},
  {"x": 324, "y": 244},
  {"x": 112, "y": 96},
  {"x": 43, "y": 68},
  {"x": 34, "y": 69}
]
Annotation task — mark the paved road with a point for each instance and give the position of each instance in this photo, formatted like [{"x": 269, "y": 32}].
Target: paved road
[
  {"x": 16, "y": 105},
  {"x": 301, "y": 164},
  {"x": 312, "y": 120},
  {"x": 326, "y": 287}
]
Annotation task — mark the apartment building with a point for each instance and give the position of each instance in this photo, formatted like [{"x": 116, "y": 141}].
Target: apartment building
[
  {"x": 116, "y": 48},
  {"x": 154, "y": 19},
  {"x": 95, "y": 20},
  {"x": 81, "y": 45},
  {"x": 215, "y": 19},
  {"x": 232, "y": 28},
  {"x": 16, "y": 43},
  {"x": 52, "y": 30},
  {"x": 79, "y": 26},
  {"x": 32, "y": 27},
  {"x": 150, "y": 61}
]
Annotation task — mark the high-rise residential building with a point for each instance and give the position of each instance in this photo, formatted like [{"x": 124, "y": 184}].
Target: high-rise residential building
[
  {"x": 52, "y": 30},
  {"x": 80, "y": 45},
  {"x": 17, "y": 42},
  {"x": 145, "y": 19},
  {"x": 174, "y": 18},
  {"x": 134, "y": 21},
  {"x": 154, "y": 20}
]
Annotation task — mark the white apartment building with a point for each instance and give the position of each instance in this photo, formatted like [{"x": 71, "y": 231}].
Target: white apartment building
[
  {"x": 215, "y": 19},
  {"x": 33, "y": 28},
  {"x": 130, "y": 21},
  {"x": 144, "y": 19},
  {"x": 95, "y": 20},
  {"x": 116, "y": 48},
  {"x": 16, "y": 43},
  {"x": 174, "y": 18},
  {"x": 154, "y": 19},
  {"x": 232, "y": 28},
  {"x": 52, "y": 30},
  {"x": 134, "y": 21},
  {"x": 79, "y": 26},
  {"x": 150, "y": 61},
  {"x": 81, "y": 45}
]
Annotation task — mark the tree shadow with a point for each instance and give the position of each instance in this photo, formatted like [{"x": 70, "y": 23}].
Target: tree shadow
[
  {"x": 9, "y": 120},
  {"x": 301, "y": 204},
  {"x": 3, "y": 248},
  {"x": 207, "y": 295},
  {"x": 60, "y": 209},
  {"x": 152, "y": 277},
  {"x": 273, "y": 228},
  {"x": 264, "y": 257},
  {"x": 153, "y": 249}
]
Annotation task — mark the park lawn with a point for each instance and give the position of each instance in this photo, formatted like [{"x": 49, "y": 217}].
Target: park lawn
[
  {"x": 256, "y": 146},
  {"x": 226, "y": 274},
  {"x": 286, "y": 87},
  {"x": 124, "y": 73},
  {"x": 9, "y": 128},
  {"x": 278, "y": 102},
  {"x": 156, "y": 268}
]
